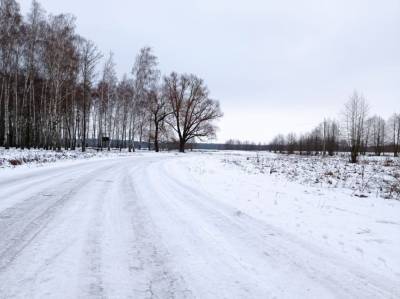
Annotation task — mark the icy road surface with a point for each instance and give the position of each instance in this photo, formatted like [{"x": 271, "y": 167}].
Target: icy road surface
[{"x": 133, "y": 228}]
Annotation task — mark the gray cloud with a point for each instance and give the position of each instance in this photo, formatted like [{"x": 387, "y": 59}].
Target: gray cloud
[{"x": 274, "y": 65}]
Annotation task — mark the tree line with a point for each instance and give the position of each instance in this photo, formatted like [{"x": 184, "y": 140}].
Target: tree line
[
  {"x": 52, "y": 95},
  {"x": 357, "y": 132}
]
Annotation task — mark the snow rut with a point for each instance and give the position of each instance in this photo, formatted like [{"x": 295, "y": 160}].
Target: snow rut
[
  {"x": 82, "y": 232},
  {"x": 151, "y": 260},
  {"x": 21, "y": 223}
]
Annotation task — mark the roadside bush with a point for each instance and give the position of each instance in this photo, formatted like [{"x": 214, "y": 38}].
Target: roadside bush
[{"x": 15, "y": 162}]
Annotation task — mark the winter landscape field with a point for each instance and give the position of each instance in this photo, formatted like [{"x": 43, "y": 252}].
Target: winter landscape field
[
  {"x": 202, "y": 149},
  {"x": 225, "y": 224}
]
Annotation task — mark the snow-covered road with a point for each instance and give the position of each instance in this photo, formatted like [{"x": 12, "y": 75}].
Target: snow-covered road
[{"x": 130, "y": 227}]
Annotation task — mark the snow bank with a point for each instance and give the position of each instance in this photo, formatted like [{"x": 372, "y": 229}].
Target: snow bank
[{"x": 16, "y": 157}]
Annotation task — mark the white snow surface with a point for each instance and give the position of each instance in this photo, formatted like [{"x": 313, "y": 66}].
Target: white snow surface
[
  {"x": 196, "y": 225},
  {"x": 11, "y": 158}
]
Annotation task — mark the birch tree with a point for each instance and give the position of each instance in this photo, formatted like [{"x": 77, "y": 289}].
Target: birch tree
[
  {"x": 394, "y": 127},
  {"x": 89, "y": 58},
  {"x": 355, "y": 113},
  {"x": 378, "y": 134},
  {"x": 146, "y": 76}
]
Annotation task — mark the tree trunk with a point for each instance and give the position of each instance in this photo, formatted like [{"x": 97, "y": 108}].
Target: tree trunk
[
  {"x": 84, "y": 118},
  {"x": 182, "y": 145},
  {"x": 353, "y": 156},
  {"x": 156, "y": 144}
]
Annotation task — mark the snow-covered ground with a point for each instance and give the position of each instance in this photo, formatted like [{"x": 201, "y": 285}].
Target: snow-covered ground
[
  {"x": 11, "y": 158},
  {"x": 198, "y": 225},
  {"x": 371, "y": 177}
]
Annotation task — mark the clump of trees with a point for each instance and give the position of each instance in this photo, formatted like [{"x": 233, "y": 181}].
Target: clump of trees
[
  {"x": 323, "y": 139},
  {"x": 234, "y": 144},
  {"x": 357, "y": 133},
  {"x": 50, "y": 97}
]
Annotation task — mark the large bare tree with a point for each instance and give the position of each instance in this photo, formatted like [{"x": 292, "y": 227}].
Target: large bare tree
[{"x": 193, "y": 112}]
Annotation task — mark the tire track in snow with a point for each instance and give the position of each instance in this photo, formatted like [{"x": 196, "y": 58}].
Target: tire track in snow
[
  {"x": 21, "y": 223},
  {"x": 89, "y": 249},
  {"x": 18, "y": 188},
  {"x": 92, "y": 262},
  {"x": 150, "y": 258},
  {"x": 23, "y": 226}
]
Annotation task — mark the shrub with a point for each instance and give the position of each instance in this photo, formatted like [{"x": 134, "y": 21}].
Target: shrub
[{"x": 15, "y": 162}]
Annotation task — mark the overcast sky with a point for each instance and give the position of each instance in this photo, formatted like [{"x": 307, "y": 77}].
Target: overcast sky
[{"x": 275, "y": 66}]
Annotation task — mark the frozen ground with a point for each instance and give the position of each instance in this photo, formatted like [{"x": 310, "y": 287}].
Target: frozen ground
[
  {"x": 31, "y": 158},
  {"x": 371, "y": 177},
  {"x": 200, "y": 225}
]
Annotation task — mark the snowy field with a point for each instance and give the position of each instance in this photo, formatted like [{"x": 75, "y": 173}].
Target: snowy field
[
  {"x": 372, "y": 177},
  {"x": 199, "y": 225}
]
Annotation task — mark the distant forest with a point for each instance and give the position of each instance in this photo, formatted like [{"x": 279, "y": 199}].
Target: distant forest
[{"x": 356, "y": 132}]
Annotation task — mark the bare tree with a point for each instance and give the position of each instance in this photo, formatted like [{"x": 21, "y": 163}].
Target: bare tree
[
  {"x": 160, "y": 110},
  {"x": 125, "y": 95},
  {"x": 107, "y": 103},
  {"x": 193, "y": 112},
  {"x": 59, "y": 53},
  {"x": 278, "y": 143},
  {"x": 146, "y": 76},
  {"x": 10, "y": 26},
  {"x": 89, "y": 58},
  {"x": 355, "y": 113},
  {"x": 333, "y": 138},
  {"x": 367, "y": 135},
  {"x": 34, "y": 29},
  {"x": 394, "y": 126},
  {"x": 291, "y": 141},
  {"x": 377, "y": 134}
]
